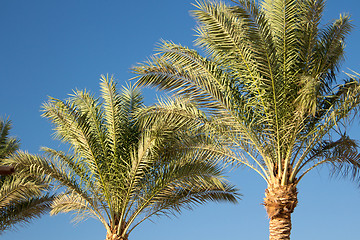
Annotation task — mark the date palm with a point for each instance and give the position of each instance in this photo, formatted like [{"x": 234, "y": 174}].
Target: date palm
[
  {"x": 21, "y": 199},
  {"x": 268, "y": 86},
  {"x": 122, "y": 169}
]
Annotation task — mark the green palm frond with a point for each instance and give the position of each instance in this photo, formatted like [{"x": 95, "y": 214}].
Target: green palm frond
[
  {"x": 21, "y": 212},
  {"x": 8, "y": 145},
  {"x": 331, "y": 48},
  {"x": 75, "y": 203},
  {"x": 13, "y": 189},
  {"x": 310, "y": 17}
]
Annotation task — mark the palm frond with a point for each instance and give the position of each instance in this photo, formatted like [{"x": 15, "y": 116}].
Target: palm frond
[
  {"x": 330, "y": 50},
  {"x": 15, "y": 189},
  {"x": 74, "y": 203},
  {"x": 341, "y": 156},
  {"x": 8, "y": 145},
  {"x": 22, "y": 212}
]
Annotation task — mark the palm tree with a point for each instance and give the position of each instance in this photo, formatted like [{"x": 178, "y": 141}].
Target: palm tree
[
  {"x": 119, "y": 171},
  {"x": 268, "y": 86},
  {"x": 21, "y": 199}
]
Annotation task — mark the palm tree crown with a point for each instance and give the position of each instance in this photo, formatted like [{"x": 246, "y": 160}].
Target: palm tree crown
[
  {"x": 122, "y": 169},
  {"x": 268, "y": 86},
  {"x": 21, "y": 198}
]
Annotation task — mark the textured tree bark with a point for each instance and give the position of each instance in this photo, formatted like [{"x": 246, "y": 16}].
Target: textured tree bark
[
  {"x": 280, "y": 228},
  {"x": 280, "y": 202},
  {"x": 114, "y": 236}
]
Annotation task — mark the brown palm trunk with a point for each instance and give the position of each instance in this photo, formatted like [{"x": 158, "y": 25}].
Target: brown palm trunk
[
  {"x": 114, "y": 236},
  {"x": 280, "y": 202}
]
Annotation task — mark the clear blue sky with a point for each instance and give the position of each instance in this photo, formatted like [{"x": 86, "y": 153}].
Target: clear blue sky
[{"x": 48, "y": 48}]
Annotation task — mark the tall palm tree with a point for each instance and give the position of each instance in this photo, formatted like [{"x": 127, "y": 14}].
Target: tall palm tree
[
  {"x": 268, "y": 86},
  {"x": 122, "y": 169},
  {"x": 21, "y": 199}
]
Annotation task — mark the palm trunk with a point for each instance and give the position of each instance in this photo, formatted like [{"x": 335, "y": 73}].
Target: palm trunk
[
  {"x": 280, "y": 202},
  {"x": 114, "y": 236},
  {"x": 280, "y": 227}
]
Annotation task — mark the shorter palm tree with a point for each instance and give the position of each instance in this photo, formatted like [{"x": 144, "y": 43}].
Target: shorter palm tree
[
  {"x": 21, "y": 198},
  {"x": 122, "y": 168}
]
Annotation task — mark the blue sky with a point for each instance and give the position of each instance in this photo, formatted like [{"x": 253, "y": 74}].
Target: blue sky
[{"x": 48, "y": 48}]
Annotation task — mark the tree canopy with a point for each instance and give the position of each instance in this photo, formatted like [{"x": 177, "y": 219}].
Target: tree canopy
[
  {"x": 124, "y": 166},
  {"x": 268, "y": 84}
]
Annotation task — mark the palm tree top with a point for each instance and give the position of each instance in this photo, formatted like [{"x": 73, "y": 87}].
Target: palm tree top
[
  {"x": 269, "y": 79},
  {"x": 124, "y": 166}
]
